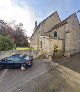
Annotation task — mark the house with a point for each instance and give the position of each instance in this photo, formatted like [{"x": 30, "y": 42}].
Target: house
[
  {"x": 53, "y": 32},
  {"x": 44, "y": 26}
]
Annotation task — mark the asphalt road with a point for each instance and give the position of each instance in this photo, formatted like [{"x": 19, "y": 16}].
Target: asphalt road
[{"x": 10, "y": 79}]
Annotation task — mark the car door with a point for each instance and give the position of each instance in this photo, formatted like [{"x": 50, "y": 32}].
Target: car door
[
  {"x": 16, "y": 63},
  {"x": 6, "y": 64},
  {"x": 11, "y": 62}
]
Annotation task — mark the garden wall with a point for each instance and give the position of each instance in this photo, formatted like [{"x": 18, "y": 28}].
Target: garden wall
[{"x": 4, "y": 54}]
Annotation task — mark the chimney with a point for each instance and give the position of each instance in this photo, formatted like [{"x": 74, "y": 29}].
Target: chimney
[{"x": 35, "y": 24}]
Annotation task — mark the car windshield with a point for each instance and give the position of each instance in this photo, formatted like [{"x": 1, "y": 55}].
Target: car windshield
[
  {"x": 17, "y": 57},
  {"x": 13, "y": 58}
]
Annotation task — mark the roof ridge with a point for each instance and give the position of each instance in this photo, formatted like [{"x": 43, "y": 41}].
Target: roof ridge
[
  {"x": 63, "y": 22},
  {"x": 50, "y": 16},
  {"x": 69, "y": 16},
  {"x": 44, "y": 21}
]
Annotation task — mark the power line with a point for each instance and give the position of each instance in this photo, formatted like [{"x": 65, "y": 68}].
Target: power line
[{"x": 78, "y": 11}]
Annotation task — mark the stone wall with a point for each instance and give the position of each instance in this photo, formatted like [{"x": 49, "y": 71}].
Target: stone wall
[
  {"x": 4, "y": 54},
  {"x": 44, "y": 26},
  {"x": 75, "y": 35},
  {"x": 70, "y": 33},
  {"x": 49, "y": 44},
  {"x": 60, "y": 32},
  {"x": 72, "y": 42},
  {"x": 51, "y": 21}
]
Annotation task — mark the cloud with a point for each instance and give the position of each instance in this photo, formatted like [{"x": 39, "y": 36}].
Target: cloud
[{"x": 10, "y": 11}]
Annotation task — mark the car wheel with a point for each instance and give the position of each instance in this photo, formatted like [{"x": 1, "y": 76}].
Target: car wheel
[{"x": 23, "y": 67}]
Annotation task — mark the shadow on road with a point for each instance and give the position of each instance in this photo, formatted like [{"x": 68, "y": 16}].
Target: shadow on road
[{"x": 72, "y": 63}]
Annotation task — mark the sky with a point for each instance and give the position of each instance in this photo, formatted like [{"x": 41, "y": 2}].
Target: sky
[{"x": 28, "y": 11}]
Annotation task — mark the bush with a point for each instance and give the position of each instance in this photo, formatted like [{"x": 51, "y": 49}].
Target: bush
[{"x": 6, "y": 43}]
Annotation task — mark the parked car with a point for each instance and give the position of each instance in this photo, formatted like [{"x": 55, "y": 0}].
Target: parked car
[{"x": 16, "y": 61}]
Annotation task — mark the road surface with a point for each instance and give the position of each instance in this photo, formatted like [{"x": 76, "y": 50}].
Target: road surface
[{"x": 10, "y": 79}]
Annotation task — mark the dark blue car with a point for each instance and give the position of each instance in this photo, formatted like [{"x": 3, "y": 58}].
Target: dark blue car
[{"x": 16, "y": 61}]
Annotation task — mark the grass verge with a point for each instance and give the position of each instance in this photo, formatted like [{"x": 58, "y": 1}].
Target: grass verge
[{"x": 25, "y": 48}]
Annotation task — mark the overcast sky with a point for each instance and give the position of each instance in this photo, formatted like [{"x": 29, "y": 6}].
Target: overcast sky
[{"x": 28, "y": 11}]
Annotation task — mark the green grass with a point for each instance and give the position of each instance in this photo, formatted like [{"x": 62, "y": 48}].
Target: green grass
[{"x": 25, "y": 48}]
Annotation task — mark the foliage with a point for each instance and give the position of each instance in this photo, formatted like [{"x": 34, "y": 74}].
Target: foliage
[
  {"x": 15, "y": 31},
  {"x": 21, "y": 39},
  {"x": 6, "y": 43},
  {"x": 5, "y": 28}
]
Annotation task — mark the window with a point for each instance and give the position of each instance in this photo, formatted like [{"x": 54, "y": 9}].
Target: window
[
  {"x": 55, "y": 34},
  {"x": 41, "y": 44}
]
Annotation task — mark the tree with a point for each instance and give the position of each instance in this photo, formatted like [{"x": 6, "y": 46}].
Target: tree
[
  {"x": 21, "y": 39},
  {"x": 5, "y": 28},
  {"x": 15, "y": 31},
  {"x": 6, "y": 43}
]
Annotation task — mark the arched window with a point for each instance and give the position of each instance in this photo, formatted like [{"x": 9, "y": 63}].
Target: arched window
[{"x": 55, "y": 34}]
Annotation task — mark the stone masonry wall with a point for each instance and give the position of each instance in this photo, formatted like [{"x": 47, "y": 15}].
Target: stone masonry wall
[
  {"x": 49, "y": 44},
  {"x": 45, "y": 25},
  {"x": 70, "y": 33},
  {"x": 74, "y": 35},
  {"x": 51, "y": 21},
  {"x": 4, "y": 54}
]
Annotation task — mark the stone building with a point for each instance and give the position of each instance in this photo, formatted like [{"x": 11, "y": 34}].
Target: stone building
[
  {"x": 44, "y": 26},
  {"x": 53, "y": 32}
]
